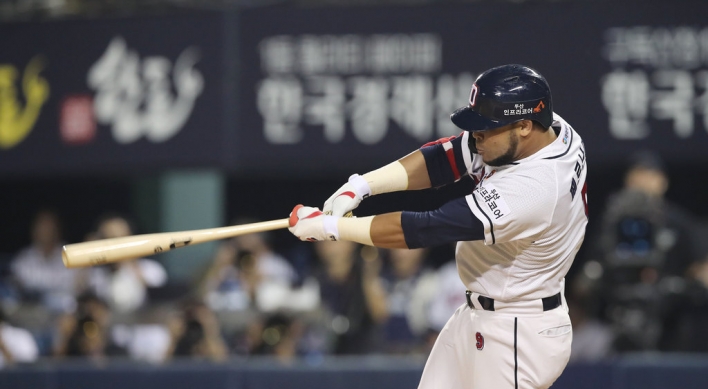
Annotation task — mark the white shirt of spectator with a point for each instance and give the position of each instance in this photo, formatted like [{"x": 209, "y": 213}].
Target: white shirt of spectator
[
  {"x": 46, "y": 275},
  {"x": 19, "y": 343},
  {"x": 144, "y": 342},
  {"x": 277, "y": 276},
  {"x": 450, "y": 295},
  {"x": 123, "y": 289}
]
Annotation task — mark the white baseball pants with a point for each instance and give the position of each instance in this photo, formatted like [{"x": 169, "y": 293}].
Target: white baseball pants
[{"x": 517, "y": 346}]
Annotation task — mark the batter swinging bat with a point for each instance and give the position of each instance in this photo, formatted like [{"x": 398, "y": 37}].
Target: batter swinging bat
[{"x": 104, "y": 251}]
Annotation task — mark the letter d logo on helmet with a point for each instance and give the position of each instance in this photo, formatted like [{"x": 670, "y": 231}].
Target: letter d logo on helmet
[{"x": 503, "y": 95}]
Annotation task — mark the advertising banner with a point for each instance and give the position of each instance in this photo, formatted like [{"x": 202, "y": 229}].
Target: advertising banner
[
  {"x": 118, "y": 95},
  {"x": 352, "y": 88},
  {"x": 288, "y": 90}
]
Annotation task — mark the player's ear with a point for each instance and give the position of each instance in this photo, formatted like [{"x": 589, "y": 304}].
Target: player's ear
[{"x": 525, "y": 127}]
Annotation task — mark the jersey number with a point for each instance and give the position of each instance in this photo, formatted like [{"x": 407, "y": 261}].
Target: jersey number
[{"x": 583, "y": 193}]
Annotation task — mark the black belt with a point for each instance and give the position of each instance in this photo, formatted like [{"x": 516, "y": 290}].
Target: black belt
[{"x": 487, "y": 303}]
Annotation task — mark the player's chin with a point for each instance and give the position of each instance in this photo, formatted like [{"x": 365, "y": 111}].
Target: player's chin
[
  {"x": 494, "y": 160},
  {"x": 487, "y": 157}
]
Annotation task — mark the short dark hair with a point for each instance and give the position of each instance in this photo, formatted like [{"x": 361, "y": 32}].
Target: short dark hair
[
  {"x": 110, "y": 215},
  {"x": 646, "y": 159}
]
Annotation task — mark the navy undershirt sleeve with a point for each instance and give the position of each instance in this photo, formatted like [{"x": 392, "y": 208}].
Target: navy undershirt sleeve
[
  {"x": 453, "y": 222},
  {"x": 440, "y": 169}
]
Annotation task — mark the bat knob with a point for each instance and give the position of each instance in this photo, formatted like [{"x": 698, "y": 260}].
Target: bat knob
[{"x": 64, "y": 257}]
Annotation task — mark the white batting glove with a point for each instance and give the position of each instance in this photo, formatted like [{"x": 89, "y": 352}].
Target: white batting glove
[
  {"x": 310, "y": 224},
  {"x": 347, "y": 197}
]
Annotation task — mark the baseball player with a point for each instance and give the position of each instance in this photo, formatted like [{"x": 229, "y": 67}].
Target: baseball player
[{"x": 517, "y": 232}]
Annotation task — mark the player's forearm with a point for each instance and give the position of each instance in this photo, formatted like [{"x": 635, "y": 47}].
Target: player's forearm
[
  {"x": 386, "y": 231},
  {"x": 381, "y": 231},
  {"x": 407, "y": 173},
  {"x": 435, "y": 164},
  {"x": 417, "y": 170}
]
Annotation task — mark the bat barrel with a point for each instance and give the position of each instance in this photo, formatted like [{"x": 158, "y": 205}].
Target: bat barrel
[
  {"x": 104, "y": 251},
  {"x": 112, "y": 250}
]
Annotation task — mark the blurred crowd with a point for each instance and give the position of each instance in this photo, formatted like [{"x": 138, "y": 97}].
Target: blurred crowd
[
  {"x": 640, "y": 285},
  {"x": 324, "y": 298}
]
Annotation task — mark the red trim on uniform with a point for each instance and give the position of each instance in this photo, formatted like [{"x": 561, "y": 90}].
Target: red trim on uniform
[
  {"x": 439, "y": 141},
  {"x": 451, "y": 159}
]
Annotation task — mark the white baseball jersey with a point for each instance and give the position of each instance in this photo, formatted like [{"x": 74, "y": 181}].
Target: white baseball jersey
[
  {"x": 534, "y": 216},
  {"x": 533, "y": 212}
]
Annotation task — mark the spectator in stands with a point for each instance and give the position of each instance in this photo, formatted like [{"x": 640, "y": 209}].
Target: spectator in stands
[
  {"x": 409, "y": 288},
  {"x": 449, "y": 295},
  {"x": 247, "y": 274},
  {"x": 124, "y": 285},
  {"x": 646, "y": 247},
  {"x": 39, "y": 272},
  {"x": 686, "y": 329},
  {"x": 46, "y": 288},
  {"x": 16, "y": 344},
  {"x": 87, "y": 333},
  {"x": 148, "y": 338},
  {"x": 269, "y": 263},
  {"x": 353, "y": 294},
  {"x": 592, "y": 337},
  {"x": 278, "y": 335},
  {"x": 195, "y": 333},
  {"x": 247, "y": 283},
  {"x": 238, "y": 269}
]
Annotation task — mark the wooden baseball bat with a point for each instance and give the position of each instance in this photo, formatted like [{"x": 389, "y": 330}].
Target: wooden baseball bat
[{"x": 104, "y": 251}]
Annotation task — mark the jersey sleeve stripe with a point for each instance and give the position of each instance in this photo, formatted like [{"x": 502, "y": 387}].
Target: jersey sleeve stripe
[
  {"x": 437, "y": 164},
  {"x": 450, "y": 152},
  {"x": 466, "y": 154},
  {"x": 446, "y": 157},
  {"x": 491, "y": 225}
]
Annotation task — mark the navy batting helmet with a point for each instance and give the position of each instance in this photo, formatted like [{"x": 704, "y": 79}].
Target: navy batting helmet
[{"x": 503, "y": 95}]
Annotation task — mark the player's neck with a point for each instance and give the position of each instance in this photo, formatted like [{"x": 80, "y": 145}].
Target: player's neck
[{"x": 534, "y": 143}]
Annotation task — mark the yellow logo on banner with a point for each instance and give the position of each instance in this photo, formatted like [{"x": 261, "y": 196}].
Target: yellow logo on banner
[{"x": 17, "y": 121}]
